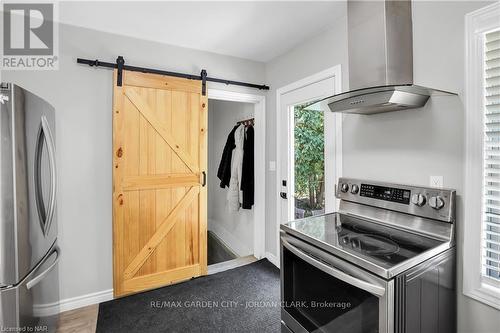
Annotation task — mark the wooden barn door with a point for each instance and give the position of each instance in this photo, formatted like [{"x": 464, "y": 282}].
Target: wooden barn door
[{"x": 159, "y": 197}]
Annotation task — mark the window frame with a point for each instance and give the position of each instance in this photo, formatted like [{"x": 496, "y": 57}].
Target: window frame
[{"x": 477, "y": 23}]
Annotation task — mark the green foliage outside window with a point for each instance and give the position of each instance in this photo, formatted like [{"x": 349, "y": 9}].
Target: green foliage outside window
[{"x": 309, "y": 159}]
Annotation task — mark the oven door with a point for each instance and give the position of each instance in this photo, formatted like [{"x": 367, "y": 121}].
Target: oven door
[{"x": 322, "y": 293}]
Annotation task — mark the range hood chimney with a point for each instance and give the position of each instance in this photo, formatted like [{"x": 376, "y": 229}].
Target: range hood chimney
[{"x": 380, "y": 46}]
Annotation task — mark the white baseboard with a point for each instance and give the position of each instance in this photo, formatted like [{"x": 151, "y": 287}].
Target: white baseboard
[
  {"x": 85, "y": 300},
  {"x": 273, "y": 259},
  {"x": 72, "y": 303},
  {"x": 229, "y": 240},
  {"x": 45, "y": 310}
]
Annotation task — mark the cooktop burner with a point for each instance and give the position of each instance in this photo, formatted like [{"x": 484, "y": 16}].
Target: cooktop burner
[
  {"x": 360, "y": 228},
  {"x": 382, "y": 245},
  {"x": 374, "y": 245}
]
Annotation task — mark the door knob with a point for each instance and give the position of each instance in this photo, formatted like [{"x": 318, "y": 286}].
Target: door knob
[{"x": 283, "y": 195}]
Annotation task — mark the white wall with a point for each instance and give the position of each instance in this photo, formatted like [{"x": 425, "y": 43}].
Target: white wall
[
  {"x": 406, "y": 146},
  {"x": 234, "y": 228},
  {"x": 82, "y": 97}
]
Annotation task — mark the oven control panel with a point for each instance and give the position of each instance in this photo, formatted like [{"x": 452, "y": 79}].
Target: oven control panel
[
  {"x": 393, "y": 194},
  {"x": 428, "y": 202}
]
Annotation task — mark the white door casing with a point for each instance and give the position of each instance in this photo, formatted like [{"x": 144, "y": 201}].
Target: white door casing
[
  {"x": 312, "y": 88},
  {"x": 259, "y": 208}
]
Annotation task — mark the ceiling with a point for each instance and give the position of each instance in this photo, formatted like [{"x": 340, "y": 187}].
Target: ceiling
[{"x": 257, "y": 30}]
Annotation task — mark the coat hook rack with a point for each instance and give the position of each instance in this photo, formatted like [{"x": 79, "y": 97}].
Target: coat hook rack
[{"x": 246, "y": 122}]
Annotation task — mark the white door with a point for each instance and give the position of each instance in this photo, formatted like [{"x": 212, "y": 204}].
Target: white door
[{"x": 309, "y": 149}]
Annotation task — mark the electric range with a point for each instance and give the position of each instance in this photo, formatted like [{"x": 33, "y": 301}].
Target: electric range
[{"x": 385, "y": 262}]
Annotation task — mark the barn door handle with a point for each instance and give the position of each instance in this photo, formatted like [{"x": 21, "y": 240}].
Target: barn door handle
[{"x": 204, "y": 179}]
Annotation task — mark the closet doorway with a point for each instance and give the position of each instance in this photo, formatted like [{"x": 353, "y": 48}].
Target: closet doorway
[{"x": 236, "y": 228}]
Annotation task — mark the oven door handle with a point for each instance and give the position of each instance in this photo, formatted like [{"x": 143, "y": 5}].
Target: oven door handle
[{"x": 366, "y": 286}]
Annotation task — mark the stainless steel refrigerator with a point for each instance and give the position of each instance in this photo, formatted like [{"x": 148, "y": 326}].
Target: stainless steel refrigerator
[{"x": 29, "y": 255}]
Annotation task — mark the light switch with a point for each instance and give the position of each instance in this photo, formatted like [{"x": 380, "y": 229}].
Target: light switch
[
  {"x": 272, "y": 165},
  {"x": 436, "y": 181}
]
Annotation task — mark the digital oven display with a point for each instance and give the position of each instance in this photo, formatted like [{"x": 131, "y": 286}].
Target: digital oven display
[{"x": 385, "y": 193}]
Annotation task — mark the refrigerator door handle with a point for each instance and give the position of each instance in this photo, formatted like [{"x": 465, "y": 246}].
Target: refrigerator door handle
[
  {"x": 33, "y": 282},
  {"x": 45, "y": 133},
  {"x": 52, "y": 157}
]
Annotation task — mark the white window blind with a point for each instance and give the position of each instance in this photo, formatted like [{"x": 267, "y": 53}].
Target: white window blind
[{"x": 491, "y": 208}]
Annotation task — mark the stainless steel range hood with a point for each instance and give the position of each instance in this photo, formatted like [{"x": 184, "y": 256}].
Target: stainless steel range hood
[{"x": 380, "y": 60}]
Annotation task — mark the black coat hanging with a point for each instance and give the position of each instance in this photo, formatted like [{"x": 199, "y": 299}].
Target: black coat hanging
[
  {"x": 224, "y": 171},
  {"x": 247, "y": 173}
]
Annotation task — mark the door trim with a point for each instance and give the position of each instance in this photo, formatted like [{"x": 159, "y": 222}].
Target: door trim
[
  {"x": 259, "y": 102},
  {"x": 336, "y": 73}
]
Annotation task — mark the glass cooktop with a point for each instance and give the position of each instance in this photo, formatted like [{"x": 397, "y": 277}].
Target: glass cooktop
[{"x": 379, "y": 244}]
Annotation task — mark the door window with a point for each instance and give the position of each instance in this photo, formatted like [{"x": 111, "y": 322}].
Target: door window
[{"x": 309, "y": 161}]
